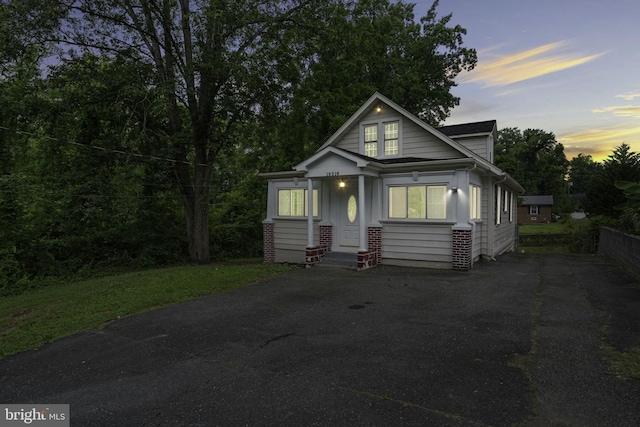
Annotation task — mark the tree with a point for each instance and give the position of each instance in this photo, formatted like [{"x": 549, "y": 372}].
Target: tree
[
  {"x": 582, "y": 169},
  {"x": 214, "y": 66},
  {"x": 254, "y": 78},
  {"x": 603, "y": 195},
  {"x": 537, "y": 161},
  {"x": 372, "y": 45}
]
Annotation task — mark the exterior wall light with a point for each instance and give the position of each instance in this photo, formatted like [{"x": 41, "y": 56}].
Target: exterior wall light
[
  {"x": 342, "y": 184},
  {"x": 454, "y": 189},
  {"x": 379, "y": 109}
]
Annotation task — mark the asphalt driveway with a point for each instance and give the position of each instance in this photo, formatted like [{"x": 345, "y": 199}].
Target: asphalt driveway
[{"x": 517, "y": 341}]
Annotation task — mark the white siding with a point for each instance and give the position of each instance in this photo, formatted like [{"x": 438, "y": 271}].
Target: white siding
[
  {"x": 417, "y": 142},
  {"x": 386, "y": 114},
  {"x": 505, "y": 232},
  {"x": 478, "y": 145},
  {"x": 350, "y": 140},
  {"x": 411, "y": 242},
  {"x": 477, "y": 241},
  {"x": 290, "y": 240}
]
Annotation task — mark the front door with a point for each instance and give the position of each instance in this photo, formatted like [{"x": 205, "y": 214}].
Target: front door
[{"x": 348, "y": 219}]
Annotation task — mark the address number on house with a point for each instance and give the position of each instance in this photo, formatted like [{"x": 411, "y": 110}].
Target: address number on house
[{"x": 333, "y": 173}]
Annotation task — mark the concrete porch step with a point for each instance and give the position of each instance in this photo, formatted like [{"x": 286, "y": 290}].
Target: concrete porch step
[{"x": 339, "y": 260}]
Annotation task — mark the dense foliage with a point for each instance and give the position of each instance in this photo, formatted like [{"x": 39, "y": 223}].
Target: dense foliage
[
  {"x": 132, "y": 131},
  {"x": 537, "y": 161}
]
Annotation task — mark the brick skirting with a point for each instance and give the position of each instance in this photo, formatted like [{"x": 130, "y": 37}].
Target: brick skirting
[
  {"x": 326, "y": 236},
  {"x": 461, "y": 249},
  {"x": 268, "y": 244},
  {"x": 314, "y": 255},
  {"x": 366, "y": 260},
  {"x": 374, "y": 235}
]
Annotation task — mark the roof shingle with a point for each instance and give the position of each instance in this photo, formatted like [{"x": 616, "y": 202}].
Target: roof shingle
[{"x": 468, "y": 128}]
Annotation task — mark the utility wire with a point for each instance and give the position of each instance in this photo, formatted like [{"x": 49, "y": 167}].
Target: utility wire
[{"x": 103, "y": 149}]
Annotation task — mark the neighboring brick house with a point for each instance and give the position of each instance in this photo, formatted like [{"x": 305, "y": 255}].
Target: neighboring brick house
[{"x": 535, "y": 209}]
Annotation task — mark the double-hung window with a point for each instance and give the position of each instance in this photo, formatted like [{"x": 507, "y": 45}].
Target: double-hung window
[
  {"x": 533, "y": 210},
  {"x": 418, "y": 202},
  {"x": 371, "y": 140},
  {"x": 391, "y": 139},
  {"x": 294, "y": 202},
  {"x": 381, "y": 139}
]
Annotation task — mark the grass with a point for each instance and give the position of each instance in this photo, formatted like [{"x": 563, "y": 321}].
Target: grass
[
  {"x": 546, "y": 228},
  {"x": 624, "y": 365},
  {"x": 548, "y": 235},
  {"x": 38, "y": 316},
  {"x": 558, "y": 250}
]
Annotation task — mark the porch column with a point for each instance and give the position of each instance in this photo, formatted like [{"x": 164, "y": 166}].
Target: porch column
[
  {"x": 309, "y": 213},
  {"x": 361, "y": 212}
]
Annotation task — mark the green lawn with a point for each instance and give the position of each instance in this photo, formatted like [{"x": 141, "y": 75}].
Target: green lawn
[
  {"x": 550, "y": 228},
  {"x": 541, "y": 230},
  {"x": 38, "y": 316}
]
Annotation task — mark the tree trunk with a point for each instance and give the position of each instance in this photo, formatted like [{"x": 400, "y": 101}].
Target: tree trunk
[
  {"x": 195, "y": 198},
  {"x": 197, "y": 221}
]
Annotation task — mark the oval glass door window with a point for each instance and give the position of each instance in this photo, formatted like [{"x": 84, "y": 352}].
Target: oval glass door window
[{"x": 352, "y": 208}]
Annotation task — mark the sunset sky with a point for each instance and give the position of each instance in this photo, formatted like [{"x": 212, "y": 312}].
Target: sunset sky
[{"x": 571, "y": 67}]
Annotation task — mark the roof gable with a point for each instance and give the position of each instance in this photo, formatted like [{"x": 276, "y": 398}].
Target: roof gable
[
  {"x": 456, "y": 150},
  {"x": 323, "y": 163}
]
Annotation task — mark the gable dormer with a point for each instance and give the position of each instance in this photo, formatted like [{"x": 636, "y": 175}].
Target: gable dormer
[
  {"x": 371, "y": 131},
  {"x": 478, "y": 137}
]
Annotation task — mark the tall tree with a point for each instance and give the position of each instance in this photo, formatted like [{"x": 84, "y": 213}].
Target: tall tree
[
  {"x": 368, "y": 46},
  {"x": 582, "y": 170},
  {"x": 213, "y": 63},
  {"x": 602, "y": 197},
  {"x": 537, "y": 161},
  {"x": 272, "y": 73},
  {"x": 534, "y": 158}
]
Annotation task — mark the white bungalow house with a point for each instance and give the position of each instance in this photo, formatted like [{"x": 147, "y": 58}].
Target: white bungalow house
[{"x": 390, "y": 189}]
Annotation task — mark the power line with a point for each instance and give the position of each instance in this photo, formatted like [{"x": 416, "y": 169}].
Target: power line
[{"x": 103, "y": 149}]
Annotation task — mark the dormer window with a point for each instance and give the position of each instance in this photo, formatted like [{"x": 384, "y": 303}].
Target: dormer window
[
  {"x": 391, "y": 139},
  {"x": 381, "y": 139},
  {"x": 371, "y": 140}
]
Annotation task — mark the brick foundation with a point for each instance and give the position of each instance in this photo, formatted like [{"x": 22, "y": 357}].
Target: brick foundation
[
  {"x": 366, "y": 259},
  {"x": 326, "y": 236},
  {"x": 314, "y": 255},
  {"x": 462, "y": 249},
  {"x": 373, "y": 255},
  {"x": 268, "y": 245},
  {"x": 374, "y": 235}
]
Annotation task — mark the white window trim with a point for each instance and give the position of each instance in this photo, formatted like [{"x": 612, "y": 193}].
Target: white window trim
[
  {"x": 498, "y": 197},
  {"x": 316, "y": 203},
  {"x": 475, "y": 201},
  {"x": 420, "y": 219},
  {"x": 531, "y": 210},
  {"x": 380, "y": 123}
]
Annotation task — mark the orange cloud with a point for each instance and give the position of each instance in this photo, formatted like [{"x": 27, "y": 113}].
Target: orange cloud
[
  {"x": 601, "y": 141},
  {"x": 630, "y": 96},
  {"x": 621, "y": 110},
  {"x": 509, "y": 69}
]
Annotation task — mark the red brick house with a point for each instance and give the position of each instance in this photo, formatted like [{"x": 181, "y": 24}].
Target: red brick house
[{"x": 535, "y": 209}]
